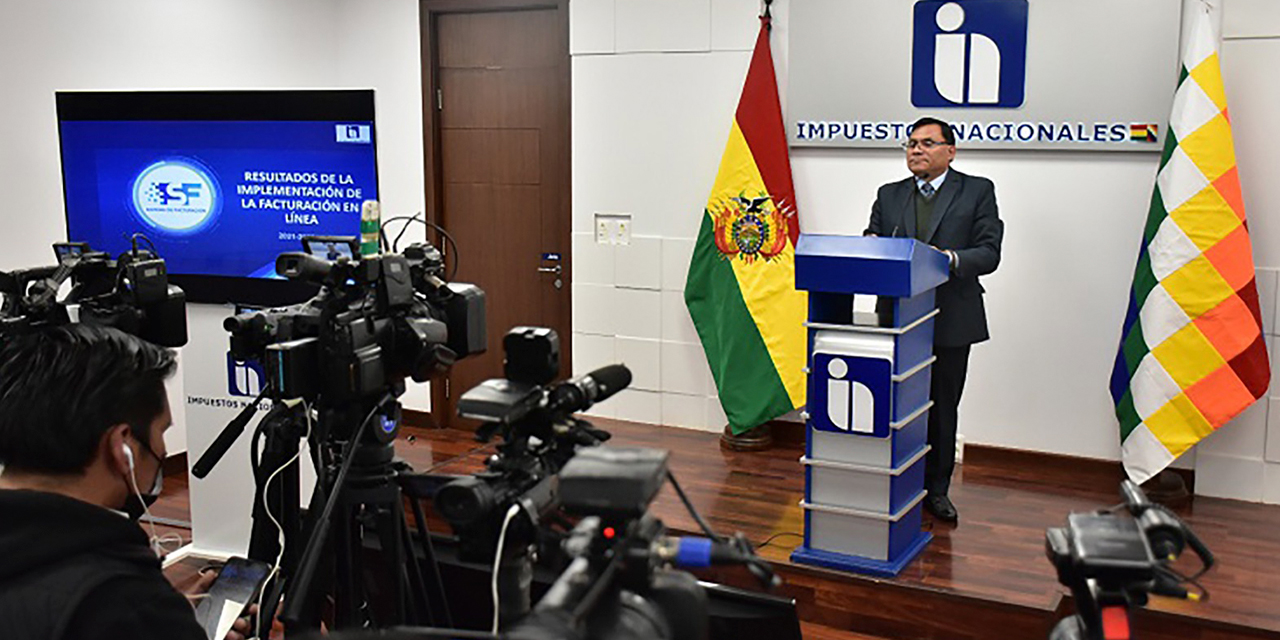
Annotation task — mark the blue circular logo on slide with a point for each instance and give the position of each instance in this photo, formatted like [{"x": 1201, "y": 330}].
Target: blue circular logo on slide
[{"x": 176, "y": 196}]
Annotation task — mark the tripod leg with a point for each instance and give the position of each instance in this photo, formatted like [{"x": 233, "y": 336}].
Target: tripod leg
[
  {"x": 276, "y": 502},
  {"x": 420, "y": 606},
  {"x": 393, "y": 556},
  {"x": 347, "y": 594},
  {"x": 429, "y": 554}
]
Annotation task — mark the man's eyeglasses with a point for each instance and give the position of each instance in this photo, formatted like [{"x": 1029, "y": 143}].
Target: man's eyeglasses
[{"x": 927, "y": 144}]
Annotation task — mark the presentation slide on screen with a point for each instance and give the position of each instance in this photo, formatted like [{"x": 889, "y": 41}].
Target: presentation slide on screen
[{"x": 216, "y": 198}]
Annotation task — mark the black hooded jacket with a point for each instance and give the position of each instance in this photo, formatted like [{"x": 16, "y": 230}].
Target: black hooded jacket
[{"x": 70, "y": 570}]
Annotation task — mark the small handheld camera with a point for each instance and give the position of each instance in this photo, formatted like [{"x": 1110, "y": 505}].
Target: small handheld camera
[{"x": 1112, "y": 561}]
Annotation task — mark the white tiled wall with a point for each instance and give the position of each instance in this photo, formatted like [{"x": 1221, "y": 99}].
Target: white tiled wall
[
  {"x": 591, "y": 26},
  {"x": 638, "y": 405},
  {"x": 593, "y": 306},
  {"x": 676, "y": 253},
  {"x": 676, "y": 324},
  {"x": 637, "y": 313},
  {"x": 629, "y": 308},
  {"x": 1225, "y": 476},
  {"x": 684, "y": 369},
  {"x": 1269, "y": 297},
  {"x": 592, "y": 263},
  {"x": 644, "y": 358},
  {"x": 590, "y": 352},
  {"x": 662, "y": 26},
  {"x": 651, "y": 78},
  {"x": 734, "y": 24},
  {"x": 679, "y": 410},
  {"x": 639, "y": 265},
  {"x": 1271, "y": 486}
]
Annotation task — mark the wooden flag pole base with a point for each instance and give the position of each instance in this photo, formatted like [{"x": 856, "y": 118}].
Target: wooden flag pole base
[
  {"x": 757, "y": 439},
  {"x": 1167, "y": 488}
]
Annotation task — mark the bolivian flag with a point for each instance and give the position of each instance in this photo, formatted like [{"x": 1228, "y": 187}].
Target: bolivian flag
[
  {"x": 741, "y": 288},
  {"x": 1143, "y": 132},
  {"x": 1192, "y": 355}
]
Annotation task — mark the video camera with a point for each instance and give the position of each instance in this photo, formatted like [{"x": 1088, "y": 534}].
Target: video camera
[
  {"x": 549, "y": 473},
  {"x": 341, "y": 357},
  {"x": 621, "y": 581},
  {"x": 617, "y": 585},
  {"x": 131, "y": 293},
  {"x": 539, "y": 433},
  {"x": 1111, "y": 562},
  {"x": 377, "y": 320}
]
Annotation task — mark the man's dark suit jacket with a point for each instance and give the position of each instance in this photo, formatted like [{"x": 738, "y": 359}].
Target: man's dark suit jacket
[{"x": 966, "y": 221}]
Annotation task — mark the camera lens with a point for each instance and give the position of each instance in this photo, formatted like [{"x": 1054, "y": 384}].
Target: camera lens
[{"x": 464, "y": 501}]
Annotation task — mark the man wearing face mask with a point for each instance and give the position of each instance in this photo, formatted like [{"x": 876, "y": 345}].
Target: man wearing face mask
[{"x": 82, "y": 418}]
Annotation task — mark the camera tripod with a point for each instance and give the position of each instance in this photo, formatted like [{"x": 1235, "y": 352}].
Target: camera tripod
[{"x": 356, "y": 491}]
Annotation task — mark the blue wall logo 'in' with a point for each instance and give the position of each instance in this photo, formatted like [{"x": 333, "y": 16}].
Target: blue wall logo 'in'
[
  {"x": 244, "y": 378},
  {"x": 175, "y": 196},
  {"x": 971, "y": 53}
]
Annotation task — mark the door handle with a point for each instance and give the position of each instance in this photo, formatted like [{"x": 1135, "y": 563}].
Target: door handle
[{"x": 556, "y": 269}]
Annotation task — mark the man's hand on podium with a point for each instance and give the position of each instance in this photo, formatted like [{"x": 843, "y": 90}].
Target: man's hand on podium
[{"x": 953, "y": 259}]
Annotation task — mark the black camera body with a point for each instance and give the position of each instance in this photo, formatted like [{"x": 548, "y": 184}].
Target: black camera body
[
  {"x": 539, "y": 436},
  {"x": 615, "y": 484},
  {"x": 377, "y": 320},
  {"x": 1113, "y": 560},
  {"x": 617, "y": 585},
  {"x": 131, "y": 293}
]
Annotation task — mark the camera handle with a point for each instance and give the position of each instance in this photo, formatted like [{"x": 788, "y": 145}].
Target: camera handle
[
  {"x": 229, "y": 434},
  {"x": 276, "y": 511}
]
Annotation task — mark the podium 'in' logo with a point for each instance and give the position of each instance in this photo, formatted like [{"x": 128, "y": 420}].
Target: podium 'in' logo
[
  {"x": 850, "y": 394},
  {"x": 969, "y": 54},
  {"x": 244, "y": 378},
  {"x": 850, "y": 404}
]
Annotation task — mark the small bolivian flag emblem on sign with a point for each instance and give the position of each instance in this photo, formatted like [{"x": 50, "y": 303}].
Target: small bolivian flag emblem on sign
[{"x": 1143, "y": 132}]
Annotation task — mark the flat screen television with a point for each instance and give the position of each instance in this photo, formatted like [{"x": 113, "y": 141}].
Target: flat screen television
[{"x": 219, "y": 182}]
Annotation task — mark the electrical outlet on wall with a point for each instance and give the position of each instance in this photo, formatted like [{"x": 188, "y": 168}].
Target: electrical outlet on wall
[
  {"x": 623, "y": 235},
  {"x": 602, "y": 230},
  {"x": 613, "y": 228}
]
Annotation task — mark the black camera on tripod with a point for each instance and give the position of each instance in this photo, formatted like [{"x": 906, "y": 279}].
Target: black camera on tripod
[
  {"x": 539, "y": 436},
  {"x": 377, "y": 321},
  {"x": 335, "y": 366},
  {"x": 548, "y": 477},
  {"x": 1111, "y": 562},
  {"x": 618, "y": 585},
  {"x": 130, "y": 292}
]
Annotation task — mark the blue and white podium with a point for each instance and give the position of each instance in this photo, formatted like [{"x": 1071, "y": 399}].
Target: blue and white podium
[{"x": 867, "y": 413}]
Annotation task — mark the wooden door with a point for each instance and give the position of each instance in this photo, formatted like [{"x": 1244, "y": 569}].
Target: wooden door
[{"x": 497, "y": 89}]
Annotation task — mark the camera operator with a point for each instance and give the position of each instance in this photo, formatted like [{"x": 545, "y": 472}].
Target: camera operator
[{"x": 83, "y": 412}]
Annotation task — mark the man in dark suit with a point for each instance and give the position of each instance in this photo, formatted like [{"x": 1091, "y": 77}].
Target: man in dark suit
[{"x": 956, "y": 213}]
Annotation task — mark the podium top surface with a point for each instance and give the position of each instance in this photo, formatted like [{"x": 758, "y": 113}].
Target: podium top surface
[{"x": 897, "y": 267}]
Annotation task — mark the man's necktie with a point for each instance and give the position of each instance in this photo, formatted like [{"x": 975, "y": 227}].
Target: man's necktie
[{"x": 927, "y": 189}]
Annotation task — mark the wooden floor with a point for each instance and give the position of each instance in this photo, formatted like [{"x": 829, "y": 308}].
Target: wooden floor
[{"x": 985, "y": 578}]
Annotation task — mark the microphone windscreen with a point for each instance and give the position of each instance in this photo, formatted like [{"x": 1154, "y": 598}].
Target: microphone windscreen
[{"x": 610, "y": 379}]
